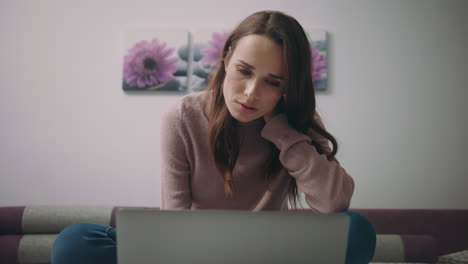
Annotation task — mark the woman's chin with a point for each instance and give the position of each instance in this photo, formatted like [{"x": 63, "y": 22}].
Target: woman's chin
[
  {"x": 240, "y": 116},
  {"x": 243, "y": 118}
]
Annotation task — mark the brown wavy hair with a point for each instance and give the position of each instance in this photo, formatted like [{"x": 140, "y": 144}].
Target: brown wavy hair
[{"x": 298, "y": 102}]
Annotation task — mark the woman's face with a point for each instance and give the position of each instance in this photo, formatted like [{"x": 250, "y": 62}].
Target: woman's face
[{"x": 255, "y": 78}]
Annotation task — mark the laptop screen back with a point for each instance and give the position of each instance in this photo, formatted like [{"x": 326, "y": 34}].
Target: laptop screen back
[{"x": 230, "y": 236}]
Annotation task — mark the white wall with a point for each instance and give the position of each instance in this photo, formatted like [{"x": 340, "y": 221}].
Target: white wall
[{"x": 70, "y": 135}]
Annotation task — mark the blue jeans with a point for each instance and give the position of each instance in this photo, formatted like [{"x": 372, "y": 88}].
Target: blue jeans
[{"x": 93, "y": 243}]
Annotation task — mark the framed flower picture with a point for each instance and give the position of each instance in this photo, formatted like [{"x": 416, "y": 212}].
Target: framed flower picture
[
  {"x": 207, "y": 46},
  {"x": 176, "y": 60},
  {"x": 155, "y": 60},
  {"x": 318, "y": 43}
]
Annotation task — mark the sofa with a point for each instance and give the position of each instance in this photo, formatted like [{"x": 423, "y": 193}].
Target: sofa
[{"x": 27, "y": 233}]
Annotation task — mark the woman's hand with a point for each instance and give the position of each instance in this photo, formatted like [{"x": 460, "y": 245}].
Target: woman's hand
[{"x": 279, "y": 108}]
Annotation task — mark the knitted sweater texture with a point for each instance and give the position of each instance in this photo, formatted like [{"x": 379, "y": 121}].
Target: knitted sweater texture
[{"x": 190, "y": 179}]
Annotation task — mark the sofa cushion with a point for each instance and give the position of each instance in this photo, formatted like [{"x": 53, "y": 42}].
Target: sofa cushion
[
  {"x": 36, "y": 248},
  {"x": 389, "y": 248},
  {"x": 10, "y": 220},
  {"x": 52, "y": 219},
  {"x": 405, "y": 248},
  {"x": 9, "y": 248},
  {"x": 26, "y": 249}
]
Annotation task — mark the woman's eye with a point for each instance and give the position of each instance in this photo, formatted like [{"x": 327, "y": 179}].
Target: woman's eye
[
  {"x": 244, "y": 72},
  {"x": 274, "y": 83}
]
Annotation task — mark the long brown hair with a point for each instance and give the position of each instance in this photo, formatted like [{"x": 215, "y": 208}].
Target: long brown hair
[{"x": 298, "y": 103}]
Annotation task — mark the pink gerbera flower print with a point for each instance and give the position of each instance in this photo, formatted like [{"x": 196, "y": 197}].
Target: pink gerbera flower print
[
  {"x": 318, "y": 65},
  {"x": 215, "y": 47},
  {"x": 147, "y": 64}
]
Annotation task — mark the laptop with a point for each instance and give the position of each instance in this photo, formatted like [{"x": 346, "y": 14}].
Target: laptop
[{"x": 150, "y": 235}]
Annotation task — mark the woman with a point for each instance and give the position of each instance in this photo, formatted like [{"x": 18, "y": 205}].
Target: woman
[
  {"x": 250, "y": 142},
  {"x": 255, "y": 126}
]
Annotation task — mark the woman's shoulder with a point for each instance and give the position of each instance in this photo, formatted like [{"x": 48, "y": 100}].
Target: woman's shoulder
[{"x": 185, "y": 108}]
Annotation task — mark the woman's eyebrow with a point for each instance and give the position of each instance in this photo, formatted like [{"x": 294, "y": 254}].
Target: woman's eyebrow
[{"x": 253, "y": 68}]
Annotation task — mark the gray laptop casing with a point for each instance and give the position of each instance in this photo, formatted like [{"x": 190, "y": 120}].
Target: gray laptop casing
[{"x": 230, "y": 236}]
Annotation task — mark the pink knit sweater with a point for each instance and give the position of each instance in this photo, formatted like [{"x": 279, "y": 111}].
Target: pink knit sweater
[{"x": 190, "y": 180}]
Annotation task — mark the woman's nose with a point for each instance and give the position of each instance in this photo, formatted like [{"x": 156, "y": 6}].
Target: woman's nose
[{"x": 252, "y": 89}]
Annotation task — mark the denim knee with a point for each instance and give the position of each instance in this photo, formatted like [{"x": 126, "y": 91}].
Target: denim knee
[
  {"x": 85, "y": 243},
  {"x": 361, "y": 239}
]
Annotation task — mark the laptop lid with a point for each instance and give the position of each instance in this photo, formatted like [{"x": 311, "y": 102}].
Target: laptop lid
[{"x": 229, "y": 236}]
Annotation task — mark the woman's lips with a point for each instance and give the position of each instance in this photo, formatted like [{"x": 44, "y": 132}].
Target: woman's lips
[{"x": 247, "y": 108}]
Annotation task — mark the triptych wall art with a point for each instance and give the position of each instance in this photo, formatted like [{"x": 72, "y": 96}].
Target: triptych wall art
[{"x": 181, "y": 60}]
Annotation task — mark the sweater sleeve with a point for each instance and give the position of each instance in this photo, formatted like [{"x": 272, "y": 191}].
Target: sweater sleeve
[
  {"x": 175, "y": 168},
  {"x": 327, "y": 186}
]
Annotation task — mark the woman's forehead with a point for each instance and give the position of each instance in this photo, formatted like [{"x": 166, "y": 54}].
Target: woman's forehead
[{"x": 262, "y": 53}]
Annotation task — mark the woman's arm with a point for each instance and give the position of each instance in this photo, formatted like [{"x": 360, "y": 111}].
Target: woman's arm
[
  {"x": 326, "y": 185},
  {"x": 175, "y": 168}
]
